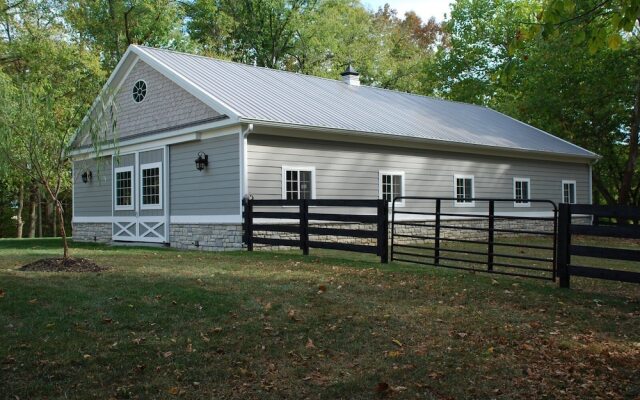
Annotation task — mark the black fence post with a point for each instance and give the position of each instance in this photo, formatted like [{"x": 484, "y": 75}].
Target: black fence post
[
  {"x": 436, "y": 254},
  {"x": 304, "y": 226},
  {"x": 490, "y": 241},
  {"x": 385, "y": 234},
  {"x": 383, "y": 231},
  {"x": 248, "y": 221},
  {"x": 554, "y": 263},
  {"x": 564, "y": 241},
  {"x": 393, "y": 225}
]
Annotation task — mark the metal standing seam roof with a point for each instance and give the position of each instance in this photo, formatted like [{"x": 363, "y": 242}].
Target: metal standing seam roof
[{"x": 263, "y": 94}]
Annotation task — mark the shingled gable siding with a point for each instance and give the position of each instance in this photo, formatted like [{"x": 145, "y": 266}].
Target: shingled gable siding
[
  {"x": 212, "y": 191},
  {"x": 166, "y": 104},
  {"x": 349, "y": 170},
  {"x": 92, "y": 199}
]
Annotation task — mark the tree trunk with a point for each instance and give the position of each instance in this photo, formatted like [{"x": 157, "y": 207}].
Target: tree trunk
[
  {"x": 624, "y": 196},
  {"x": 33, "y": 198},
  {"x": 54, "y": 225},
  {"x": 39, "y": 213},
  {"x": 19, "y": 220},
  {"x": 63, "y": 232}
]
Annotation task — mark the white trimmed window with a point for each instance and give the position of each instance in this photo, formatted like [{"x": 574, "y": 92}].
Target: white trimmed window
[
  {"x": 391, "y": 185},
  {"x": 569, "y": 192},
  {"x": 463, "y": 190},
  {"x": 298, "y": 183},
  {"x": 151, "y": 186},
  {"x": 123, "y": 185},
  {"x": 521, "y": 192}
]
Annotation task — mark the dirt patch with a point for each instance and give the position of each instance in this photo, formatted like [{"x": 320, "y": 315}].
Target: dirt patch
[{"x": 63, "y": 265}]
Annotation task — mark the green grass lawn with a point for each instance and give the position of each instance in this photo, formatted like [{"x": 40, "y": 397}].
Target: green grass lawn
[{"x": 168, "y": 324}]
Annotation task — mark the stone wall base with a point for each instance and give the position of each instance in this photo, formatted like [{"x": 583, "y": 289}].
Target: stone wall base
[
  {"x": 213, "y": 237},
  {"x": 92, "y": 232},
  {"x": 219, "y": 237}
]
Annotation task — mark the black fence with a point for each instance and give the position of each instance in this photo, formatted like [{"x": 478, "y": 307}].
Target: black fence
[
  {"x": 476, "y": 241},
  {"x": 609, "y": 221},
  {"x": 293, "y": 222}
]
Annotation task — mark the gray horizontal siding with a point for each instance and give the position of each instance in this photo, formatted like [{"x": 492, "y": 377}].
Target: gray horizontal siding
[
  {"x": 92, "y": 199},
  {"x": 212, "y": 191},
  {"x": 348, "y": 170}
]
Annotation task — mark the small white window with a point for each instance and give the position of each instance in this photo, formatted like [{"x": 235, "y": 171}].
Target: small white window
[
  {"x": 463, "y": 190},
  {"x": 390, "y": 186},
  {"x": 521, "y": 192},
  {"x": 151, "y": 186},
  {"x": 139, "y": 91},
  {"x": 569, "y": 192},
  {"x": 123, "y": 185},
  {"x": 298, "y": 183}
]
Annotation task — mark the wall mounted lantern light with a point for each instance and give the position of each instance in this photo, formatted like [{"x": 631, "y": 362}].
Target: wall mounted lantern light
[
  {"x": 202, "y": 161},
  {"x": 87, "y": 176}
]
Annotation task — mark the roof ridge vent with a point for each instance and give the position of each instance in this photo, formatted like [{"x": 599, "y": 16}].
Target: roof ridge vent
[{"x": 350, "y": 76}]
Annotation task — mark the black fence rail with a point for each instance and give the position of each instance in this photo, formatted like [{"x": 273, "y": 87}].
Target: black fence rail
[
  {"x": 612, "y": 222},
  {"x": 298, "y": 224},
  {"x": 459, "y": 240}
]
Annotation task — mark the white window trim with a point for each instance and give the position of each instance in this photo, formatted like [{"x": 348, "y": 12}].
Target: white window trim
[
  {"x": 146, "y": 85},
  {"x": 575, "y": 191},
  {"x": 402, "y": 186},
  {"x": 115, "y": 189},
  {"x": 141, "y": 192},
  {"x": 457, "y": 203},
  {"x": 522, "y": 204},
  {"x": 286, "y": 168}
]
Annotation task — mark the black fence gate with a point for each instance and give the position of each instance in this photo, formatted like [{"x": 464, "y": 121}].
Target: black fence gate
[
  {"x": 608, "y": 221},
  {"x": 478, "y": 241}
]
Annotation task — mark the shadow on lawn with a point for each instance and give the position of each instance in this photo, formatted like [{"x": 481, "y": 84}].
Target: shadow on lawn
[{"x": 240, "y": 324}]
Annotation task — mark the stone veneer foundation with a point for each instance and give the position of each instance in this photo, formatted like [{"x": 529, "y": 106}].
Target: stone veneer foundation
[
  {"x": 215, "y": 237},
  {"x": 219, "y": 237},
  {"x": 92, "y": 232}
]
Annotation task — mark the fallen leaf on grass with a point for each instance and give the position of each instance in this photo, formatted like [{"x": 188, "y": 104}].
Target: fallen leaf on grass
[
  {"x": 167, "y": 354},
  {"x": 173, "y": 390},
  {"x": 462, "y": 334},
  {"x": 396, "y": 342},
  {"x": 322, "y": 289},
  {"x": 204, "y": 337},
  {"x": 106, "y": 320},
  {"x": 33, "y": 301},
  {"x": 382, "y": 387},
  {"x": 2, "y": 292},
  {"x": 292, "y": 315},
  {"x": 310, "y": 344}
]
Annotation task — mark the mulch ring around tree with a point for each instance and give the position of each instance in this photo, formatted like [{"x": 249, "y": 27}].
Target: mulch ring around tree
[{"x": 63, "y": 265}]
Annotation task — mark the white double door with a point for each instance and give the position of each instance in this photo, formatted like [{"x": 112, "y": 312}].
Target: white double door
[{"x": 139, "y": 214}]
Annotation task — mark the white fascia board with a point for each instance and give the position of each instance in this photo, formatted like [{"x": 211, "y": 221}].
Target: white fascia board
[
  {"x": 442, "y": 145},
  {"x": 189, "y": 134},
  {"x": 185, "y": 83}
]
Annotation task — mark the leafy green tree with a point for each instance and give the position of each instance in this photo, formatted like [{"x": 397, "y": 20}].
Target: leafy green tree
[
  {"x": 110, "y": 26},
  {"x": 44, "y": 90},
  {"x": 596, "y": 24}
]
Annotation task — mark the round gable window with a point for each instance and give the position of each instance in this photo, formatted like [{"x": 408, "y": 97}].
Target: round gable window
[{"x": 139, "y": 91}]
